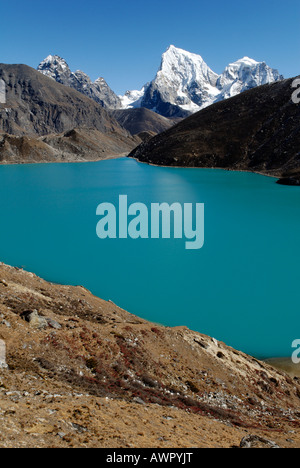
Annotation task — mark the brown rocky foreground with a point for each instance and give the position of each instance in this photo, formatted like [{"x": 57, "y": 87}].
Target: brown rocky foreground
[{"x": 81, "y": 372}]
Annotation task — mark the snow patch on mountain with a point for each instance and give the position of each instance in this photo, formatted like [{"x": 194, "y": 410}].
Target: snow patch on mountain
[{"x": 132, "y": 99}]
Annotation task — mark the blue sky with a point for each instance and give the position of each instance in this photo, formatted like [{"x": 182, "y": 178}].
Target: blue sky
[{"x": 122, "y": 40}]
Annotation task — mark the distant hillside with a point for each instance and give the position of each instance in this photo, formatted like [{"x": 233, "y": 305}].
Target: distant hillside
[
  {"x": 77, "y": 145},
  {"x": 38, "y": 106},
  {"x": 142, "y": 120},
  {"x": 258, "y": 130}
]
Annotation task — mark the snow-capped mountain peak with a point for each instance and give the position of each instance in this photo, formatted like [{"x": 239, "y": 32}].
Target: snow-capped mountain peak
[
  {"x": 185, "y": 79},
  {"x": 54, "y": 60},
  {"x": 245, "y": 74},
  {"x": 57, "y": 68},
  {"x": 185, "y": 84},
  {"x": 190, "y": 67},
  {"x": 247, "y": 60}
]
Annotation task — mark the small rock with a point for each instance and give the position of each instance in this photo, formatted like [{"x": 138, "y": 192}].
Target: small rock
[
  {"x": 79, "y": 428},
  {"x": 53, "y": 324},
  {"x": 6, "y": 323},
  {"x": 201, "y": 343},
  {"x": 139, "y": 401},
  {"x": 252, "y": 401},
  {"x": 253, "y": 441}
]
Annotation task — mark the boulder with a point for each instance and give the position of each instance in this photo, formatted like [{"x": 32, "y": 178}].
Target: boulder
[
  {"x": 53, "y": 324},
  {"x": 254, "y": 441},
  {"x": 34, "y": 319}
]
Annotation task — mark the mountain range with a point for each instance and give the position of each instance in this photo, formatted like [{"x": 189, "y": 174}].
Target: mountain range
[
  {"x": 243, "y": 123},
  {"x": 184, "y": 83}
]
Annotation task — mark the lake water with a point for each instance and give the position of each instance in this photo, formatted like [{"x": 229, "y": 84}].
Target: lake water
[{"x": 242, "y": 287}]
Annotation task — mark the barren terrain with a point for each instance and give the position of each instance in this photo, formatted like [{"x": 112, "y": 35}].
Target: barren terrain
[{"x": 84, "y": 373}]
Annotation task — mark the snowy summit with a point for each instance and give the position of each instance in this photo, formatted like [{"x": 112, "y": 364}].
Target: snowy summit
[
  {"x": 57, "y": 68},
  {"x": 185, "y": 84}
]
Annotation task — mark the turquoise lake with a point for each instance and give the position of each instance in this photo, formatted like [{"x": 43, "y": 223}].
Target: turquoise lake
[{"x": 242, "y": 287}]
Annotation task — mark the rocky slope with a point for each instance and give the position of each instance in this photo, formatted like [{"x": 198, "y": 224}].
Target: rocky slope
[
  {"x": 81, "y": 372},
  {"x": 37, "y": 106},
  {"x": 57, "y": 68},
  {"x": 257, "y": 131},
  {"x": 142, "y": 120},
  {"x": 184, "y": 83},
  {"x": 76, "y": 145}
]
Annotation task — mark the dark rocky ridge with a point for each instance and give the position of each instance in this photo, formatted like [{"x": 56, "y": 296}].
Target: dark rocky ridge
[{"x": 257, "y": 131}]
